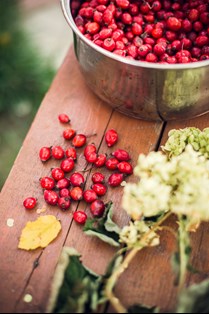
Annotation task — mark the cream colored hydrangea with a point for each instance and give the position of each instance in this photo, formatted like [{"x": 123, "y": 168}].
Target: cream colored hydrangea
[
  {"x": 138, "y": 234},
  {"x": 180, "y": 185}
]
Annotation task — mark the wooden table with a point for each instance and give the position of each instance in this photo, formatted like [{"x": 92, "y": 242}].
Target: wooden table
[{"x": 149, "y": 279}]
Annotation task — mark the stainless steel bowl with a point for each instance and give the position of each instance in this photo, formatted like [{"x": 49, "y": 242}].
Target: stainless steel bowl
[{"x": 140, "y": 89}]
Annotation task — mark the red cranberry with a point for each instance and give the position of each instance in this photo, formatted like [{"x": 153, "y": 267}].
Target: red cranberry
[
  {"x": 97, "y": 208},
  {"x": 89, "y": 196},
  {"x": 98, "y": 177},
  {"x": 57, "y": 174},
  {"x": 45, "y": 153},
  {"x": 98, "y": 17},
  {"x": 151, "y": 57},
  {"x": 47, "y": 183},
  {"x": 111, "y": 137},
  {"x": 123, "y": 4},
  {"x": 117, "y": 35},
  {"x": 51, "y": 197},
  {"x": 186, "y": 25},
  {"x": 100, "y": 161},
  {"x": 68, "y": 134},
  {"x": 99, "y": 188},
  {"x": 125, "y": 167},
  {"x": 143, "y": 50},
  {"x": 77, "y": 179},
  {"x": 30, "y": 203},
  {"x": 121, "y": 155},
  {"x": 105, "y": 33},
  {"x": 202, "y": 41},
  {"x": 115, "y": 179},
  {"x": 64, "y": 193},
  {"x": 159, "y": 49},
  {"x": 67, "y": 165},
  {"x": 76, "y": 193},
  {"x": 63, "y": 184},
  {"x": 93, "y": 28},
  {"x": 64, "y": 203},
  {"x": 193, "y": 15},
  {"x": 109, "y": 44},
  {"x": 58, "y": 152},
  {"x": 156, "y": 6},
  {"x": 79, "y": 140},
  {"x": 107, "y": 16},
  {"x": 173, "y": 23},
  {"x": 80, "y": 217},
  {"x": 112, "y": 163},
  {"x": 64, "y": 118},
  {"x": 71, "y": 153}
]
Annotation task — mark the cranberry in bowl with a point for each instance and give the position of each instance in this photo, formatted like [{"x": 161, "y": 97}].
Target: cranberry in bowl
[{"x": 147, "y": 59}]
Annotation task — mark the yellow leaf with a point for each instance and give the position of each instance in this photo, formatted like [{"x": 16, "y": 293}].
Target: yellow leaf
[{"x": 39, "y": 233}]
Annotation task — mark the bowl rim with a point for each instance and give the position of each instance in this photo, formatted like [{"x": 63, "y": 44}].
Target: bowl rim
[{"x": 65, "y": 4}]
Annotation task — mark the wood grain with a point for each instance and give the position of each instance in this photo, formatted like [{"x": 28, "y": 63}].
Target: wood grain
[{"x": 89, "y": 115}]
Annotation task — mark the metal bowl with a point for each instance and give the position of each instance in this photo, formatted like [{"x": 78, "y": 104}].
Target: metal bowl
[{"x": 139, "y": 89}]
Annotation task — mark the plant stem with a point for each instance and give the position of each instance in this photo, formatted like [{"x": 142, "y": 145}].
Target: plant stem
[{"x": 123, "y": 266}]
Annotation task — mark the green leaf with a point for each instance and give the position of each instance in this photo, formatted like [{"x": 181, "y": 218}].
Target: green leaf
[
  {"x": 195, "y": 299},
  {"x": 138, "y": 308},
  {"x": 104, "y": 228},
  {"x": 75, "y": 288}
]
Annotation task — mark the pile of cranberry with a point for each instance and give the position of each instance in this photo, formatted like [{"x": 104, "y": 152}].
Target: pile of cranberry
[
  {"x": 163, "y": 31},
  {"x": 64, "y": 185}
]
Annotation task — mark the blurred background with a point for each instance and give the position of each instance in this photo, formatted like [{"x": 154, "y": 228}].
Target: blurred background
[{"x": 34, "y": 39}]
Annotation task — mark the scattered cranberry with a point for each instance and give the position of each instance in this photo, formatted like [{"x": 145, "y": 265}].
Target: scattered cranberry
[
  {"x": 30, "y": 203},
  {"x": 57, "y": 174},
  {"x": 121, "y": 155},
  {"x": 99, "y": 188},
  {"x": 64, "y": 193},
  {"x": 71, "y": 153},
  {"x": 89, "y": 196},
  {"x": 45, "y": 153},
  {"x": 69, "y": 134},
  {"x": 80, "y": 217},
  {"x": 98, "y": 177},
  {"x": 51, "y": 197},
  {"x": 125, "y": 167},
  {"x": 101, "y": 160},
  {"x": 67, "y": 165},
  {"x": 58, "y": 152},
  {"x": 77, "y": 179},
  {"x": 76, "y": 193},
  {"x": 79, "y": 140},
  {"x": 97, "y": 208},
  {"x": 63, "y": 184},
  {"x": 112, "y": 163},
  {"x": 64, "y": 203},
  {"x": 64, "y": 118},
  {"x": 115, "y": 179},
  {"x": 111, "y": 137},
  {"x": 47, "y": 183}
]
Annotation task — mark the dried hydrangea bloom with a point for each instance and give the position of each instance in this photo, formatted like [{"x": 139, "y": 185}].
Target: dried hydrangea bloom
[
  {"x": 179, "y": 185},
  {"x": 138, "y": 234}
]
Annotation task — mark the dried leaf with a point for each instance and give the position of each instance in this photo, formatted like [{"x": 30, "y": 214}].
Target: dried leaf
[{"x": 39, "y": 233}]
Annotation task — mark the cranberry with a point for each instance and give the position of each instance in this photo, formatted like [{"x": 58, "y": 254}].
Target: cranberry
[
  {"x": 69, "y": 134},
  {"x": 80, "y": 217},
  {"x": 97, "y": 208},
  {"x": 109, "y": 44},
  {"x": 127, "y": 18},
  {"x": 30, "y": 203},
  {"x": 111, "y": 137},
  {"x": 117, "y": 35},
  {"x": 64, "y": 203},
  {"x": 144, "y": 7},
  {"x": 112, "y": 163},
  {"x": 143, "y": 50},
  {"x": 137, "y": 29},
  {"x": 159, "y": 49},
  {"x": 107, "y": 16},
  {"x": 57, "y": 174},
  {"x": 89, "y": 196},
  {"x": 77, "y": 179},
  {"x": 186, "y": 25},
  {"x": 76, "y": 193},
  {"x": 100, "y": 161},
  {"x": 193, "y": 15},
  {"x": 98, "y": 17},
  {"x": 173, "y": 23},
  {"x": 99, "y": 188},
  {"x": 64, "y": 118},
  {"x": 157, "y": 32},
  {"x": 58, "y": 152},
  {"x": 64, "y": 193},
  {"x": 151, "y": 57},
  {"x": 105, "y": 33},
  {"x": 121, "y": 155},
  {"x": 45, "y": 153},
  {"x": 115, "y": 179},
  {"x": 125, "y": 167},
  {"x": 93, "y": 28},
  {"x": 156, "y": 6},
  {"x": 79, "y": 140},
  {"x": 63, "y": 184},
  {"x": 47, "y": 183},
  {"x": 123, "y": 4},
  {"x": 67, "y": 165},
  {"x": 51, "y": 197},
  {"x": 98, "y": 177},
  {"x": 71, "y": 153},
  {"x": 90, "y": 153},
  {"x": 202, "y": 41}
]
